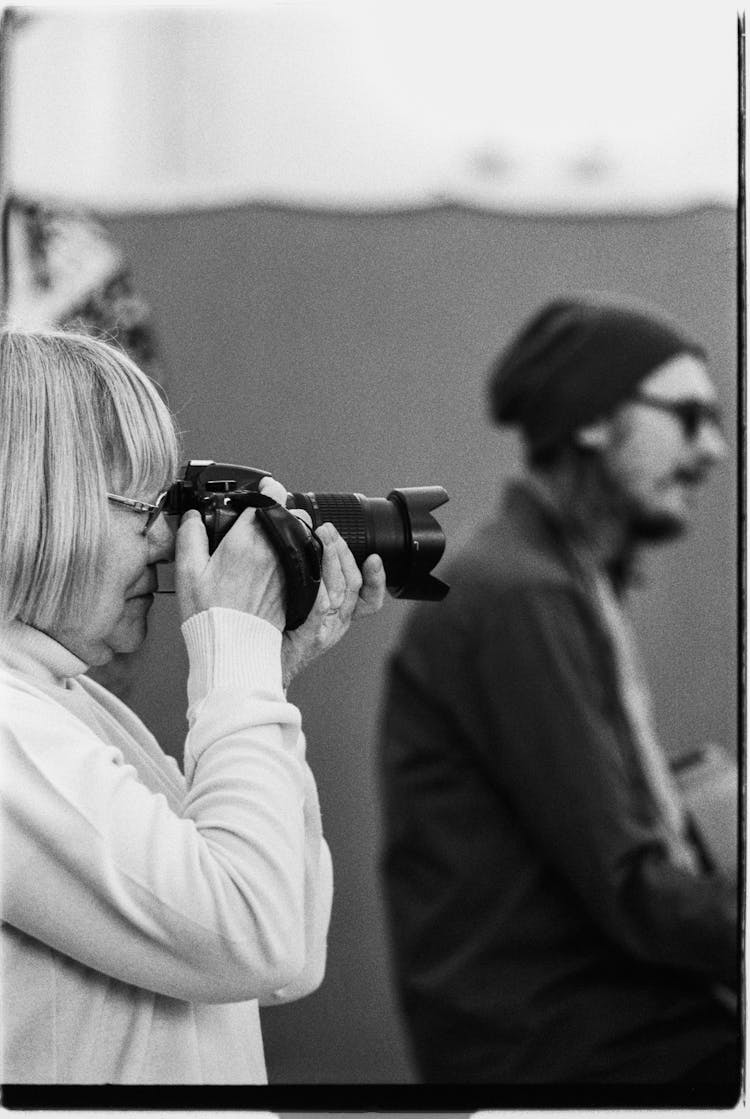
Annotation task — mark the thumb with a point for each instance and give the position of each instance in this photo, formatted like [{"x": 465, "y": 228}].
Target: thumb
[{"x": 192, "y": 544}]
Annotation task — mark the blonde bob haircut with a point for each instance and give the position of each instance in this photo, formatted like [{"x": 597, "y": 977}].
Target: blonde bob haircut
[{"x": 77, "y": 419}]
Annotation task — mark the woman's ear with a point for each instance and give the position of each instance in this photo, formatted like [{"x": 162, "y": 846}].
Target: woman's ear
[{"x": 593, "y": 437}]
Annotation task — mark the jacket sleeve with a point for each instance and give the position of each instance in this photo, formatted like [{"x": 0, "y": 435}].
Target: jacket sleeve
[
  {"x": 225, "y": 900},
  {"x": 560, "y": 748}
]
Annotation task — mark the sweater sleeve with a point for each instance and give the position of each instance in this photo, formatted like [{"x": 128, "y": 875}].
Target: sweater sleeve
[
  {"x": 224, "y": 901},
  {"x": 560, "y": 749}
]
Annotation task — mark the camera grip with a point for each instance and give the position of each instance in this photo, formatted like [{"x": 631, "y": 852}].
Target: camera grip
[{"x": 300, "y": 553}]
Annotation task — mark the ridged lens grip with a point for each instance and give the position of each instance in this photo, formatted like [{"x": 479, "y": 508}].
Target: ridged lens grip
[{"x": 345, "y": 512}]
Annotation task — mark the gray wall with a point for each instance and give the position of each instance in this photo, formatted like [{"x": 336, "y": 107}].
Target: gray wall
[{"x": 349, "y": 353}]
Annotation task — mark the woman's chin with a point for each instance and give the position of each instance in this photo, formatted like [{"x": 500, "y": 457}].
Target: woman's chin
[{"x": 127, "y": 637}]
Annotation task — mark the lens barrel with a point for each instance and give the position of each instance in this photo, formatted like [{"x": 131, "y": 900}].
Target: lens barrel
[{"x": 399, "y": 528}]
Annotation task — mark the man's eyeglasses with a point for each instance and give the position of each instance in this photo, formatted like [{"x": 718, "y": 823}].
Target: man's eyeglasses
[
  {"x": 152, "y": 511},
  {"x": 692, "y": 414}
]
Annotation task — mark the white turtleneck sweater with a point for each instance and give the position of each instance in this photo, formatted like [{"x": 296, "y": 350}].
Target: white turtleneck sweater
[{"x": 146, "y": 913}]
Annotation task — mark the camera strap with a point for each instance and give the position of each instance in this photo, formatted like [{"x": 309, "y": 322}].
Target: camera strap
[{"x": 299, "y": 552}]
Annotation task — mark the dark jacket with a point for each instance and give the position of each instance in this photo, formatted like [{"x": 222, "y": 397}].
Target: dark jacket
[{"x": 539, "y": 933}]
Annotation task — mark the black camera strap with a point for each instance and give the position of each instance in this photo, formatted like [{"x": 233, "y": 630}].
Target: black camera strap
[{"x": 300, "y": 553}]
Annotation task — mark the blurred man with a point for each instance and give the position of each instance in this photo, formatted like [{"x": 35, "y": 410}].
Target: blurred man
[{"x": 554, "y": 918}]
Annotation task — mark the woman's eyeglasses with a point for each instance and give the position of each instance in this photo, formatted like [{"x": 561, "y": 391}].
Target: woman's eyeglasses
[
  {"x": 692, "y": 414},
  {"x": 152, "y": 511}
]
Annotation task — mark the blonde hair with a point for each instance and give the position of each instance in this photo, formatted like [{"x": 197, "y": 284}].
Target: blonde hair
[{"x": 77, "y": 419}]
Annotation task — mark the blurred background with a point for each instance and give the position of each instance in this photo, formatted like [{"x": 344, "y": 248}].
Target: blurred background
[{"x": 315, "y": 224}]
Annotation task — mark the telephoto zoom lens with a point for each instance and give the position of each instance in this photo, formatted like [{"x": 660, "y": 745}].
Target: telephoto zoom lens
[{"x": 399, "y": 528}]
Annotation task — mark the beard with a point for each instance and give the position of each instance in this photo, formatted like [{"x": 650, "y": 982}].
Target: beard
[
  {"x": 654, "y": 525},
  {"x": 642, "y": 521}
]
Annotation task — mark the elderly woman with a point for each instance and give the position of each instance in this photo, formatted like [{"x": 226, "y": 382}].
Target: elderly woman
[{"x": 146, "y": 913}]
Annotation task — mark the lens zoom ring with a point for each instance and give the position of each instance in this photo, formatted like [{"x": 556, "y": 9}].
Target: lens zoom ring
[{"x": 344, "y": 511}]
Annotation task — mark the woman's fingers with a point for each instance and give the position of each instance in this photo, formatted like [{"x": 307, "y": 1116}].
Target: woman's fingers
[
  {"x": 339, "y": 571},
  {"x": 302, "y": 515},
  {"x": 344, "y": 593},
  {"x": 372, "y": 593},
  {"x": 243, "y": 572},
  {"x": 331, "y": 576},
  {"x": 191, "y": 553},
  {"x": 191, "y": 561},
  {"x": 273, "y": 489},
  {"x": 352, "y": 592}
]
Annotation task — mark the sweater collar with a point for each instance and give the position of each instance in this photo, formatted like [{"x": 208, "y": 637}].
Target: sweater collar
[{"x": 33, "y": 653}]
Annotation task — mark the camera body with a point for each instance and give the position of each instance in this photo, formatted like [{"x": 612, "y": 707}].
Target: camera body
[{"x": 399, "y": 528}]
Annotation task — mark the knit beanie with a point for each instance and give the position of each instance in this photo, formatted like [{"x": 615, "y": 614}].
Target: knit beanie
[{"x": 576, "y": 360}]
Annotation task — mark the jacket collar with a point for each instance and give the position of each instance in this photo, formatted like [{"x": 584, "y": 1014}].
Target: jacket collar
[{"x": 529, "y": 496}]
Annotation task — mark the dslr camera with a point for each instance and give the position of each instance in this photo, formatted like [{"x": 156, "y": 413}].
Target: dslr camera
[{"x": 400, "y": 528}]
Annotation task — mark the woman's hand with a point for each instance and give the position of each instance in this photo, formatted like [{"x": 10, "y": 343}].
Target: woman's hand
[
  {"x": 242, "y": 574},
  {"x": 344, "y": 593}
]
